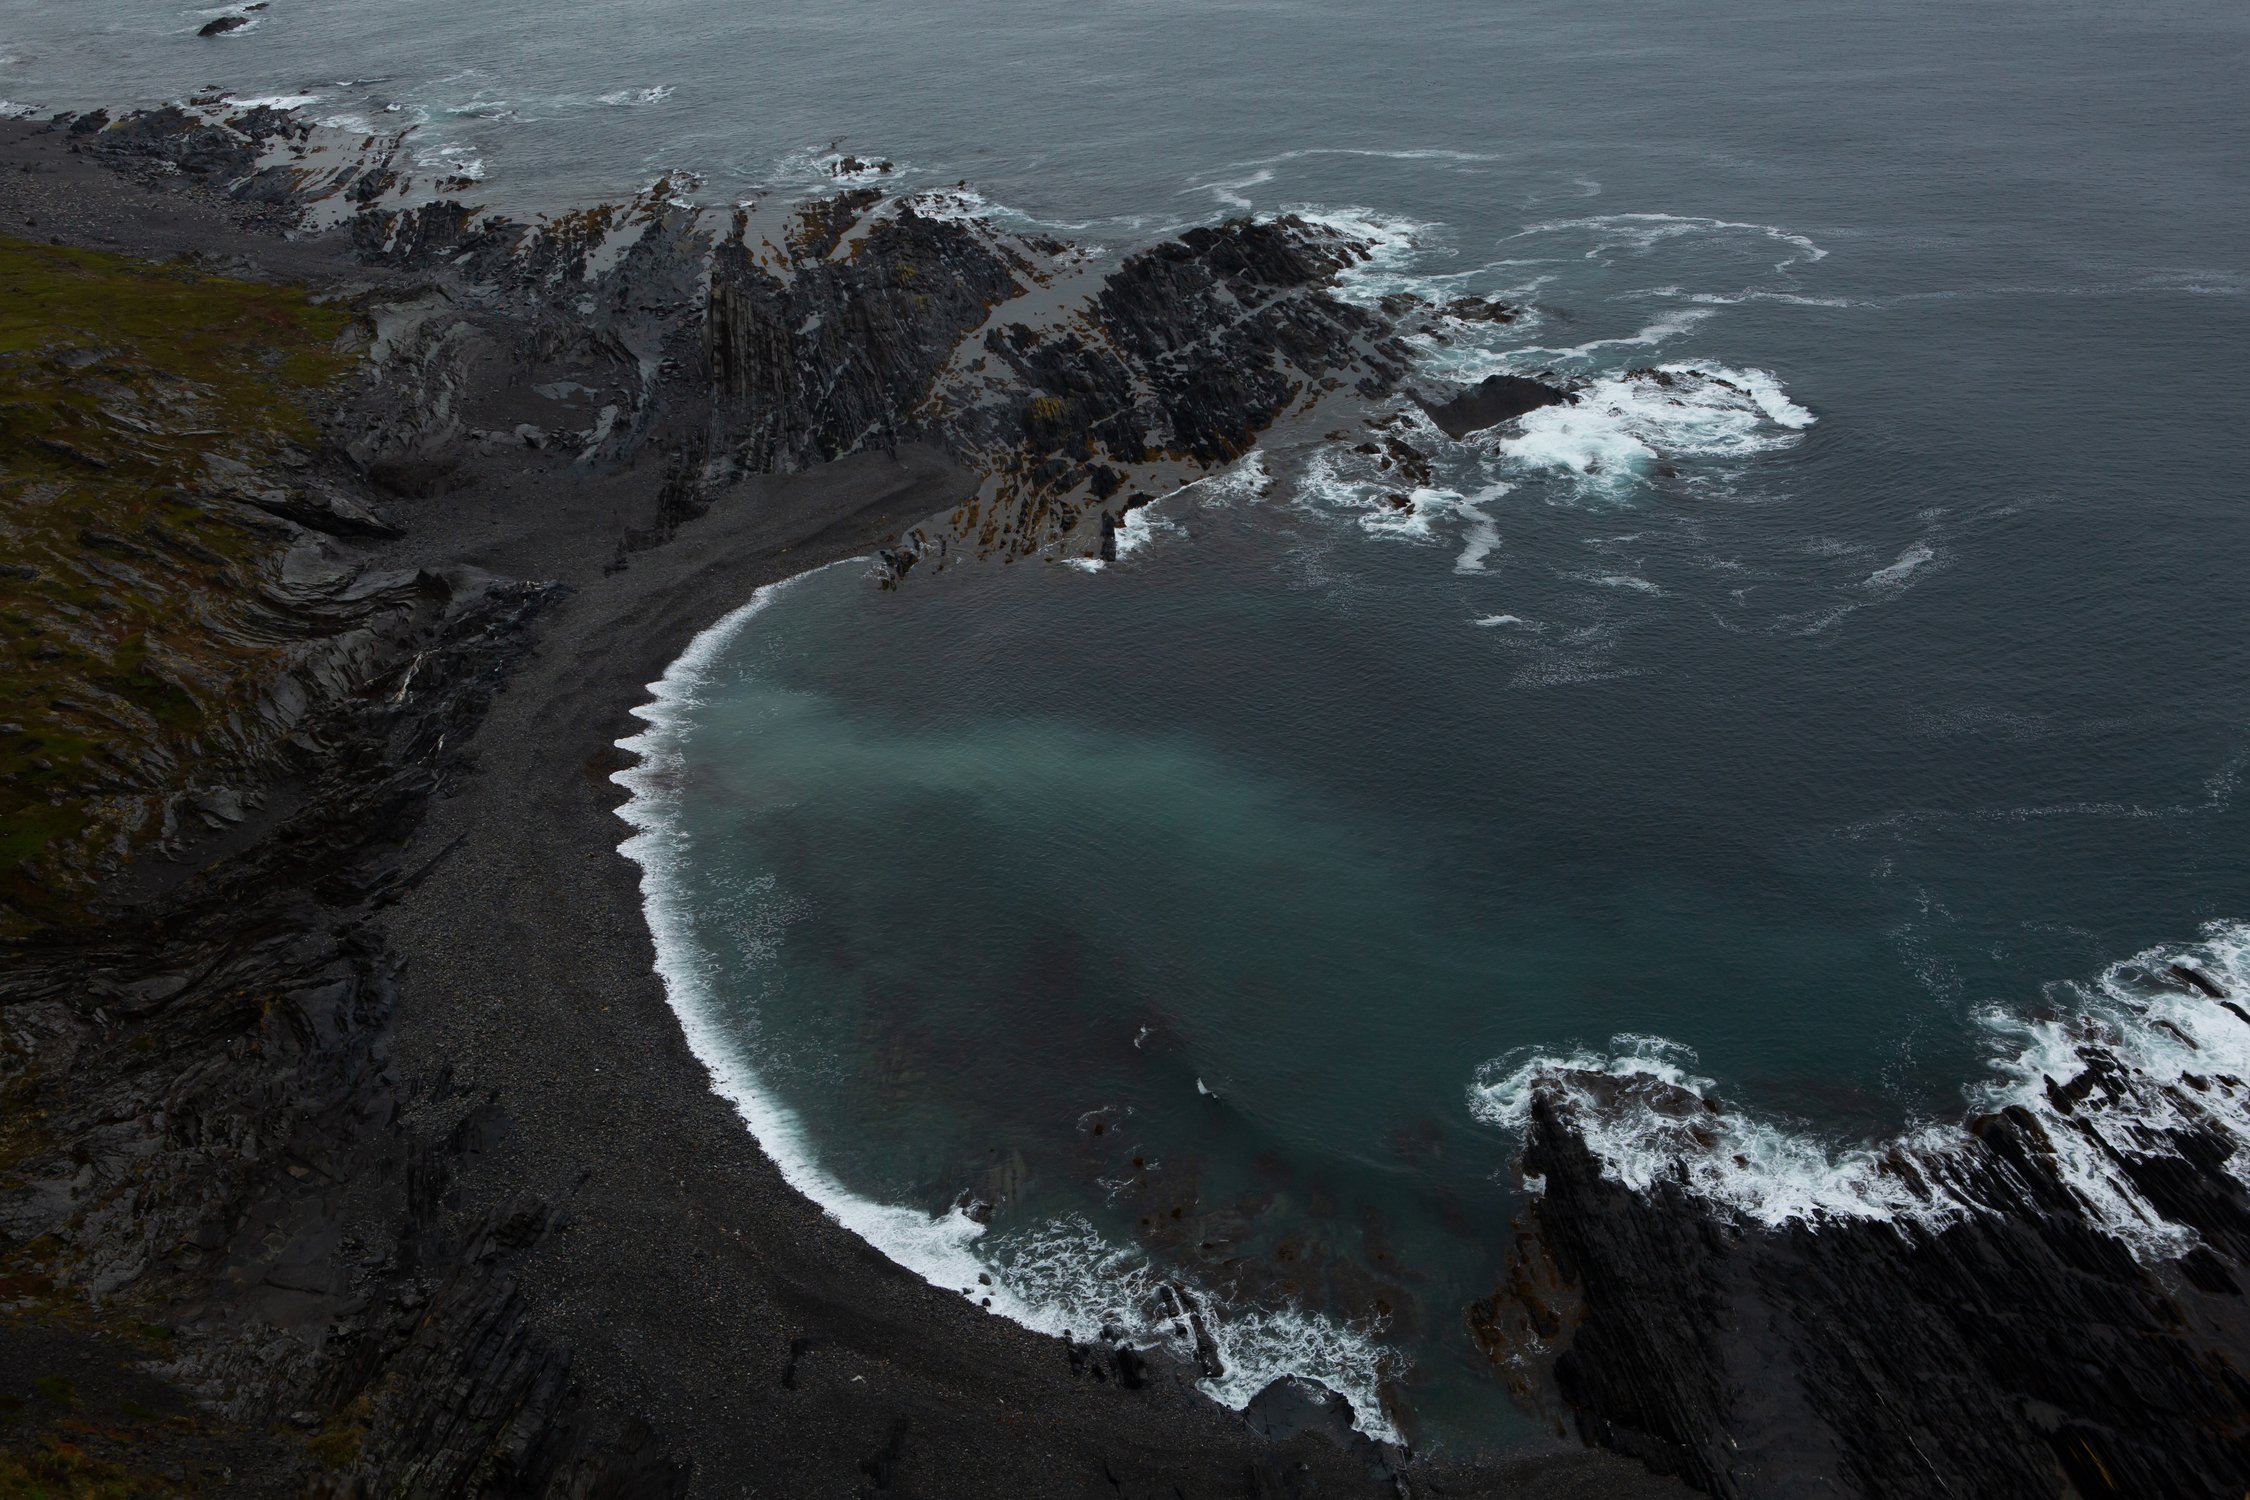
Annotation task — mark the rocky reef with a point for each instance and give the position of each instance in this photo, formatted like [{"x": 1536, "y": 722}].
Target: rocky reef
[{"x": 2047, "y": 1298}]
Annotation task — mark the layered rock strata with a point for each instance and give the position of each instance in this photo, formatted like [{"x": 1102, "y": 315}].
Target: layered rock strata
[{"x": 2051, "y": 1302}]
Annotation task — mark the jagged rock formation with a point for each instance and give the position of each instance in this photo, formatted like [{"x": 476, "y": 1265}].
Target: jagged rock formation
[
  {"x": 1172, "y": 365},
  {"x": 203, "y": 1132},
  {"x": 1078, "y": 387},
  {"x": 2009, "y": 1344},
  {"x": 1491, "y": 401},
  {"x": 834, "y": 347},
  {"x": 198, "y": 1124}
]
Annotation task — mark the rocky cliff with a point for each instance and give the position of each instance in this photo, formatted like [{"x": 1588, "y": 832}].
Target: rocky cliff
[{"x": 2049, "y": 1301}]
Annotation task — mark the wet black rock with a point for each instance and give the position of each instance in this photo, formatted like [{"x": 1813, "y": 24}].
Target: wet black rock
[
  {"x": 1493, "y": 400},
  {"x": 1480, "y": 310},
  {"x": 222, "y": 25},
  {"x": 1994, "y": 1353},
  {"x": 827, "y": 354}
]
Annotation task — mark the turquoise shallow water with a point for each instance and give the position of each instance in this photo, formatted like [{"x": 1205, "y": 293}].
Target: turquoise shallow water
[{"x": 1884, "y": 670}]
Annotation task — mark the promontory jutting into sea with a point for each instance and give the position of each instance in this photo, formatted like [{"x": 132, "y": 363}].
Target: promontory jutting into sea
[{"x": 1270, "y": 750}]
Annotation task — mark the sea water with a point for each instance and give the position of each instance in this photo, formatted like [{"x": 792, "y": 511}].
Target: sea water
[{"x": 1836, "y": 711}]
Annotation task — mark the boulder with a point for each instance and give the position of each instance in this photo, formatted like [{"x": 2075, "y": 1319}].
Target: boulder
[{"x": 1490, "y": 402}]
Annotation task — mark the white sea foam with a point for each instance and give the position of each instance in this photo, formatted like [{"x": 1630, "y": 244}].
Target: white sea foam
[
  {"x": 1735, "y": 299},
  {"x": 1070, "y": 1280},
  {"x": 2164, "y": 1056},
  {"x": 1916, "y": 560},
  {"x": 1641, "y": 1107},
  {"x": 1244, "y": 479},
  {"x": 1488, "y": 622},
  {"x": 1231, "y": 192},
  {"x": 1393, "y": 244},
  {"x": 1631, "y": 581},
  {"x": 452, "y": 160},
  {"x": 1480, "y": 538},
  {"x": 1622, "y": 425},
  {"x": 1669, "y": 326},
  {"x": 953, "y": 205},
  {"x": 1139, "y": 528},
  {"x": 1247, "y": 478},
  {"x": 1060, "y": 1277},
  {"x": 1232, "y": 189},
  {"x": 274, "y": 101},
  {"x": 1645, "y": 231},
  {"x": 632, "y": 98},
  {"x": 937, "y": 1249}
]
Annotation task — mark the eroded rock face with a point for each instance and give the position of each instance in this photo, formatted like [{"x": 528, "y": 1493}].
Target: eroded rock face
[
  {"x": 1073, "y": 382},
  {"x": 814, "y": 354},
  {"x": 200, "y": 1121},
  {"x": 1074, "y": 389},
  {"x": 1998, "y": 1352}
]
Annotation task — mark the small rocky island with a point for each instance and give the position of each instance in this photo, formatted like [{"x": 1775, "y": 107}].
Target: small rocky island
[{"x": 347, "y": 1146}]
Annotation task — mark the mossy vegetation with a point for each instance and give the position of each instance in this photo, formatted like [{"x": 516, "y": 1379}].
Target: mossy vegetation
[
  {"x": 137, "y": 404},
  {"x": 58, "y": 1470}
]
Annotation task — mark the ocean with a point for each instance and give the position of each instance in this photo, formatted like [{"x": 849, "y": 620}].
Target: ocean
[{"x": 1840, "y": 703}]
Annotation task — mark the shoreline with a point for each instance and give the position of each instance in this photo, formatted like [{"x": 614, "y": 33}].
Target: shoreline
[
  {"x": 691, "y": 1323},
  {"x": 1232, "y": 1354}
]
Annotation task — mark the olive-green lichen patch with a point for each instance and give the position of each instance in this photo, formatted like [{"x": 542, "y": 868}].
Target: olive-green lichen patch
[{"x": 140, "y": 408}]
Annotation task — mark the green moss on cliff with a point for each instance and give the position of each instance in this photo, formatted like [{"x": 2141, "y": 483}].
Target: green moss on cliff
[{"x": 139, "y": 405}]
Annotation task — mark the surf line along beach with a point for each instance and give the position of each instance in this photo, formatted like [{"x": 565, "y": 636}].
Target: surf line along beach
[{"x": 464, "y": 1203}]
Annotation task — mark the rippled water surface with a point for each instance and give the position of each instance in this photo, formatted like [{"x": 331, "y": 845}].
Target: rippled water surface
[{"x": 1872, "y": 680}]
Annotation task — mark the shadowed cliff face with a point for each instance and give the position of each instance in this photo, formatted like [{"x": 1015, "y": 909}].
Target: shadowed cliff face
[
  {"x": 153, "y": 475},
  {"x": 2003, "y": 1341},
  {"x": 1076, "y": 387}
]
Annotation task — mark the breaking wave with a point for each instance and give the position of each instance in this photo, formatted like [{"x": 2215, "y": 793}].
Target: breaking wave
[
  {"x": 2154, "y": 1050},
  {"x": 1622, "y": 426}
]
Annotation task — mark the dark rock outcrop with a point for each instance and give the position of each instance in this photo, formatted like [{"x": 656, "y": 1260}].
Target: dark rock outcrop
[
  {"x": 202, "y": 1120},
  {"x": 1999, "y": 1352},
  {"x": 1491, "y": 401},
  {"x": 823, "y": 355}
]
